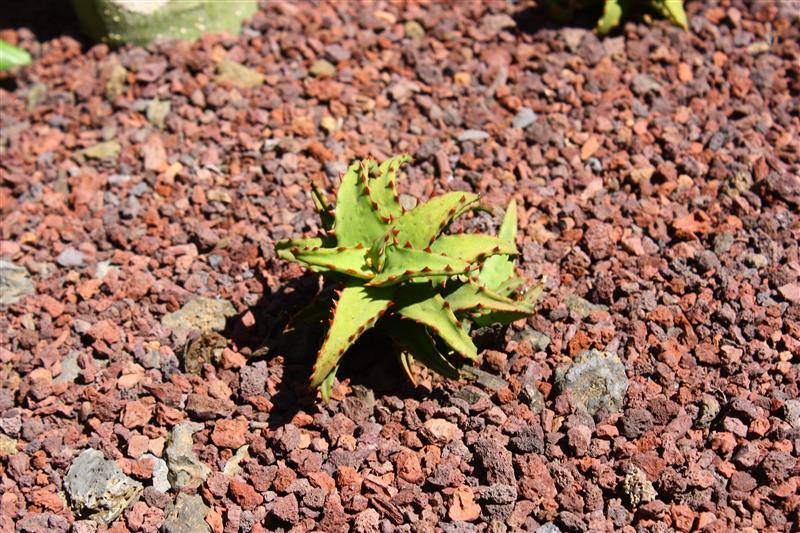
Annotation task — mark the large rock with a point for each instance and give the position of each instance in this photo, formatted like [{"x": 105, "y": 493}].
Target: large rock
[
  {"x": 596, "y": 380},
  {"x": 97, "y": 488},
  {"x": 15, "y": 282},
  {"x": 187, "y": 515},
  {"x": 200, "y": 314},
  {"x": 185, "y": 469}
]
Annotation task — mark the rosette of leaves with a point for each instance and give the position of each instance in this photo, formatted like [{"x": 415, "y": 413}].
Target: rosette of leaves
[
  {"x": 399, "y": 271},
  {"x": 615, "y": 10}
]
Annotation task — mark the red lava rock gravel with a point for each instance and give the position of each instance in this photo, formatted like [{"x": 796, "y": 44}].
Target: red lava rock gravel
[{"x": 657, "y": 177}]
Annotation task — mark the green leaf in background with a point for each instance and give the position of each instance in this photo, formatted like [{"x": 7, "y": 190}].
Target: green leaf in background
[
  {"x": 673, "y": 10},
  {"x": 11, "y": 56},
  {"x": 612, "y": 13}
]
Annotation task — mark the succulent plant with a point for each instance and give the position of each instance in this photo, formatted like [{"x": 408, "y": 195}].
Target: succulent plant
[
  {"x": 140, "y": 22},
  {"x": 615, "y": 10},
  {"x": 397, "y": 270}
]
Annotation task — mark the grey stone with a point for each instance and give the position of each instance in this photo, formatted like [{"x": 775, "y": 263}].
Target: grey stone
[
  {"x": 580, "y": 306},
  {"x": 334, "y": 169},
  {"x": 337, "y": 52},
  {"x": 528, "y": 439},
  {"x": 413, "y": 30},
  {"x": 642, "y": 84},
  {"x": 97, "y": 488},
  {"x": 548, "y": 528},
  {"x": 69, "y": 369},
  {"x": 160, "y": 473},
  {"x": 493, "y": 24},
  {"x": 495, "y": 461},
  {"x": 70, "y": 258},
  {"x": 534, "y": 397},
  {"x": 792, "y": 413},
  {"x": 8, "y": 446},
  {"x": 201, "y": 314},
  {"x": 524, "y": 118},
  {"x": 207, "y": 348},
  {"x": 157, "y": 111},
  {"x": 233, "y": 466},
  {"x": 187, "y": 515},
  {"x": 102, "y": 150},
  {"x": 458, "y": 527},
  {"x": 472, "y": 136},
  {"x": 709, "y": 409},
  {"x": 11, "y": 422},
  {"x": 573, "y": 37},
  {"x": 595, "y": 165},
  {"x": 103, "y": 268},
  {"x": 596, "y": 380},
  {"x": 758, "y": 261},
  {"x": 116, "y": 82},
  {"x": 15, "y": 282},
  {"x": 36, "y": 95},
  {"x": 470, "y": 395},
  {"x": 185, "y": 469},
  {"x": 539, "y": 341},
  {"x": 119, "y": 179},
  {"x": 41, "y": 523},
  {"x": 321, "y": 67},
  {"x": 723, "y": 242},
  {"x": 485, "y": 379},
  {"x": 637, "y": 487},
  {"x": 238, "y": 75},
  {"x": 500, "y": 493}
]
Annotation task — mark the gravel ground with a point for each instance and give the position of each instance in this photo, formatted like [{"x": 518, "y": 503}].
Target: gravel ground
[{"x": 657, "y": 174}]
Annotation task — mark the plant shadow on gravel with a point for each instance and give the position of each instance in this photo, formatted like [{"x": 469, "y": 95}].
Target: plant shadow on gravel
[
  {"x": 47, "y": 19},
  {"x": 533, "y": 19},
  {"x": 365, "y": 364}
]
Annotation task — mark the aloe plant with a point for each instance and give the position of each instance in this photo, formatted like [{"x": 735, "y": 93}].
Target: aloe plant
[
  {"x": 397, "y": 270},
  {"x": 615, "y": 10}
]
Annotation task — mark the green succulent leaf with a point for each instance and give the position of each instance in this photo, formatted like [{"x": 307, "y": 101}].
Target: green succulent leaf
[
  {"x": 498, "y": 269},
  {"x": 314, "y": 313},
  {"x": 357, "y": 310},
  {"x": 383, "y": 188},
  {"x": 11, "y": 56},
  {"x": 420, "y": 226},
  {"x": 420, "y": 303},
  {"x": 485, "y": 317},
  {"x": 326, "y": 387},
  {"x": 344, "y": 260},
  {"x": 419, "y": 345},
  {"x": 356, "y": 221},
  {"x": 284, "y": 247},
  {"x": 407, "y": 362},
  {"x": 472, "y": 247},
  {"x": 612, "y": 14},
  {"x": 472, "y": 296},
  {"x": 672, "y": 10},
  {"x": 407, "y": 263},
  {"x": 510, "y": 286},
  {"x": 323, "y": 208}
]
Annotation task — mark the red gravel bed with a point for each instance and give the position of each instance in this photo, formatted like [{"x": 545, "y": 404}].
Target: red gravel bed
[{"x": 657, "y": 174}]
